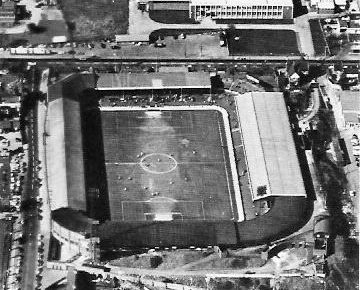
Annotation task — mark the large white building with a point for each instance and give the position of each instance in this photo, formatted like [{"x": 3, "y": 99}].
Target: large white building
[
  {"x": 241, "y": 9},
  {"x": 228, "y": 9}
]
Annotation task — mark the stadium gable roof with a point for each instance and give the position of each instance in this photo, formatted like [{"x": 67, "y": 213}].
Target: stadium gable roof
[
  {"x": 273, "y": 164},
  {"x": 142, "y": 81},
  {"x": 65, "y": 152}
]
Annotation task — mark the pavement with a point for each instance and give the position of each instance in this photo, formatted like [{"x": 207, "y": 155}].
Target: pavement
[{"x": 45, "y": 223}]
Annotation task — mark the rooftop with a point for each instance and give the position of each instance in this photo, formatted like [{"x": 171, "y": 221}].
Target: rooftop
[
  {"x": 141, "y": 81},
  {"x": 73, "y": 220},
  {"x": 350, "y": 102},
  {"x": 269, "y": 145},
  {"x": 66, "y": 170}
]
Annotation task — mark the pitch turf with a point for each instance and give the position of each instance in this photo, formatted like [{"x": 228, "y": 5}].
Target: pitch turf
[{"x": 168, "y": 161}]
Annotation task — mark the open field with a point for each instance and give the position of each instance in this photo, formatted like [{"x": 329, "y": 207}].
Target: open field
[
  {"x": 95, "y": 19},
  {"x": 161, "y": 165},
  {"x": 262, "y": 42}
]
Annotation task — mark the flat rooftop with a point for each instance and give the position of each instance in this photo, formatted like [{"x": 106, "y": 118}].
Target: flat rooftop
[
  {"x": 144, "y": 81},
  {"x": 269, "y": 146},
  {"x": 170, "y": 164}
]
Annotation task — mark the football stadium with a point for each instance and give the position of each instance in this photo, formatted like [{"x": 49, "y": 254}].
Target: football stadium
[{"x": 140, "y": 164}]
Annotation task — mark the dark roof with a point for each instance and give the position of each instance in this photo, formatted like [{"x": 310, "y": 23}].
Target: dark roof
[
  {"x": 73, "y": 220},
  {"x": 322, "y": 225},
  {"x": 173, "y": 233},
  {"x": 286, "y": 216}
]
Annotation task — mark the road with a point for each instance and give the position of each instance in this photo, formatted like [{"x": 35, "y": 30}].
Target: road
[{"x": 31, "y": 221}]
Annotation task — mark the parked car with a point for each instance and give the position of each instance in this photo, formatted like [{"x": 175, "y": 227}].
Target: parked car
[{"x": 160, "y": 44}]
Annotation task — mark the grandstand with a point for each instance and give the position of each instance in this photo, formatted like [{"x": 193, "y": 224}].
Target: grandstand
[
  {"x": 269, "y": 146},
  {"x": 65, "y": 162},
  {"x": 153, "y": 81},
  {"x": 173, "y": 175}
]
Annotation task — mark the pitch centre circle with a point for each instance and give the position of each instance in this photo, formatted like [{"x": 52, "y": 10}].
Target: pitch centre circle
[{"x": 158, "y": 163}]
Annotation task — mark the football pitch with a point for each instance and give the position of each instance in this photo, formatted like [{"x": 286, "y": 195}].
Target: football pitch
[{"x": 169, "y": 164}]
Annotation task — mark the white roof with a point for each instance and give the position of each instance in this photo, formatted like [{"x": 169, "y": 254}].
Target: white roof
[
  {"x": 269, "y": 145},
  {"x": 243, "y": 2},
  {"x": 340, "y": 2},
  {"x": 326, "y": 5}
]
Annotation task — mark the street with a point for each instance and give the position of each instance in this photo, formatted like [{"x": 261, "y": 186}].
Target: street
[{"x": 30, "y": 213}]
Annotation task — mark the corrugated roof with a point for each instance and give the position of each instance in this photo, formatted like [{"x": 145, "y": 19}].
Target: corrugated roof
[
  {"x": 133, "y": 81},
  {"x": 350, "y": 100},
  {"x": 181, "y": 234},
  {"x": 65, "y": 152},
  {"x": 269, "y": 145},
  {"x": 352, "y": 117}
]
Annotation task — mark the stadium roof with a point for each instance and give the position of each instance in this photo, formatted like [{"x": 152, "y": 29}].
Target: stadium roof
[
  {"x": 350, "y": 102},
  {"x": 144, "y": 81},
  {"x": 64, "y": 143},
  {"x": 273, "y": 164}
]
